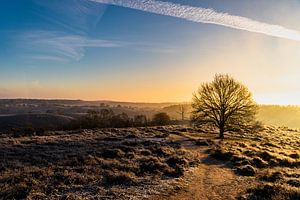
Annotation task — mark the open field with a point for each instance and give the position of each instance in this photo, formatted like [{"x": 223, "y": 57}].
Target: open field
[
  {"x": 110, "y": 164},
  {"x": 271, "y": 155},
  {"x": 151, "y": 163}
]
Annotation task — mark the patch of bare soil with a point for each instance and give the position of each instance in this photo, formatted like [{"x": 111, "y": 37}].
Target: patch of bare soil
[{"x": 211, "y": 179}]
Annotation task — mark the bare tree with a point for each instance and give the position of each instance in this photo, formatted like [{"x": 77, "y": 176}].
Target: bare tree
[
  {"x": 225, "y": 103},
  {"x": 182, "y": 111}
]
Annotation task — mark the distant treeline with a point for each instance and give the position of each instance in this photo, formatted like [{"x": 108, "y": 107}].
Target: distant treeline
[
  {"x": 39, "y": 124},
  {"x": 106, "y": 118}
]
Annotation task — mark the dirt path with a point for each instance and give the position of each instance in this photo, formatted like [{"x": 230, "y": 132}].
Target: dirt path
[{"x": 211, "y": 180}]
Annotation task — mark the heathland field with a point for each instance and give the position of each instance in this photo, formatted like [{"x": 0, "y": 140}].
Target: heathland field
[{"x": 174, "y": 162}]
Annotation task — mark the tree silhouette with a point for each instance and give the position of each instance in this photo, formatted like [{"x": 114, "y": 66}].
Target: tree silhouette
[
  {"x": 182, "y": 110},
  {"x": 161, "y": 119},
  {"x": 224, "y": 103},
  {"x": 140, "y": 120}
]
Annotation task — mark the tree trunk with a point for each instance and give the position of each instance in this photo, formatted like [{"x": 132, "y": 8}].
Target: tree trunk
[{"x": 221, "y": 134}]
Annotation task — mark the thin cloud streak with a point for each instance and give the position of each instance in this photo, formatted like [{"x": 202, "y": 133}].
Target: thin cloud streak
[
  {"x": 78, "y": 16},
  {"x": 60, "y": 46},
  {"x": 63, "y": 47},
  {"x": 203, "y": 15}
]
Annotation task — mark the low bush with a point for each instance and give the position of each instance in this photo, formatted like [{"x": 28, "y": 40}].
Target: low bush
[
  {"x": 294, "y": 183},
  {"x": 258, "y": 162},
  {"x": 246, "y": 170},
  {"x": 119, "y": 178},
  {"x": 174, "y": 161},
  {"x": 271, "y": 177},
  {"x": 220, "y": 154},
  {"x": 152, "y": 165},
  {"x": 273, "y": 192},
  {"x": 112, "y": 153}
]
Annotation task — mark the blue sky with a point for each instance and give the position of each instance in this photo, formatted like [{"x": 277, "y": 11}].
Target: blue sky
[{"x": 89, "y": 50}]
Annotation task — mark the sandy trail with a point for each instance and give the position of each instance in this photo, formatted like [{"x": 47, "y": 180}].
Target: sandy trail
[{"x": 211, "y": 180}]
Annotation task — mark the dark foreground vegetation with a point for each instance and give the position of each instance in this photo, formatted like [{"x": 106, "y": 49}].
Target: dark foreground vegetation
[
  {"x": 140, "y": 163},
  {"x": 92, "y": 164}
]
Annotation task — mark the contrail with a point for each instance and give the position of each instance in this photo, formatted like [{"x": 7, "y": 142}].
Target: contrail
[{"x": 204, "y": 15}]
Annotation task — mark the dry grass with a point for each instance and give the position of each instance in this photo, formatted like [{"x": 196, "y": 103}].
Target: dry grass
[
  {"x": 138, "y": 163},
  {"x": 271, "y": 155},
  {"x": 108, "y": 163}
]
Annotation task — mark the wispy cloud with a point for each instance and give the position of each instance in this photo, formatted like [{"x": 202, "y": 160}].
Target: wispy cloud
[
  {"x": 62, "y": 47},
  {"x": 57, "y": 46},
  {"x": 79, "y": 16},
  {"x": 203, "y": 15},
  {"x": 48, "y": 58}
]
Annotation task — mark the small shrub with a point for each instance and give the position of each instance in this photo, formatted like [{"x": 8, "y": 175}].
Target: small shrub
[
  {"x": 162, "y": 151},
  {"x": 29, "y": 131},
  {"x": 221, "y": 154},
  {"x": 272, "y": 177},
  {"x": 71, "y": 197},
  {"x": 161, "y": 119},
  {"x": 145, "y": 152},
  {"x": 294, "y": 182},
  {"x": 266, "y": 156},
  {"x": 274, "y": 192},
  {"x": 258, "y": 162},
  {"x": 19, "y": 191},
  {"x": 295, "y": 155},
  {"x": 286, "y": 162},
  {"x": 246, "y": 170},
  {"x": 152, "y": 165},
  {"x": 119, "y": 178},
  {"x": 239, "y": 158},
  {"x": 162, "y": 135},
  {"x": 177, "y": 172},
  {"x": 112, "y": 153},
  {"x": 130, "y": 155},
  {"x": 242, "y": 162},
  {"x": 176, "y": 161}
]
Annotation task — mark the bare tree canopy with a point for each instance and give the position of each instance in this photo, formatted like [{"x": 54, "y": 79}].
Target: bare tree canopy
[{"x": 225, "y": 103}]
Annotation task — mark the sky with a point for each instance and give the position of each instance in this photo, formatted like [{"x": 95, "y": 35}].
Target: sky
[{"x": 148, "y": 50}]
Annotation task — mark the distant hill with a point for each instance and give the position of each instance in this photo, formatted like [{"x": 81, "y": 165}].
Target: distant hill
[
  {"x": 24, "y": 102},
  {"x": 268, "y": 114},
  {"x": 46, "y": 121},
  {"x": 52, "y": 113},
  {"x": 280, "y": 115}
]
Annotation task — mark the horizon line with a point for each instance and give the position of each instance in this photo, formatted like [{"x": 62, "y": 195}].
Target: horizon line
[{"x": 132, "y": 102}]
